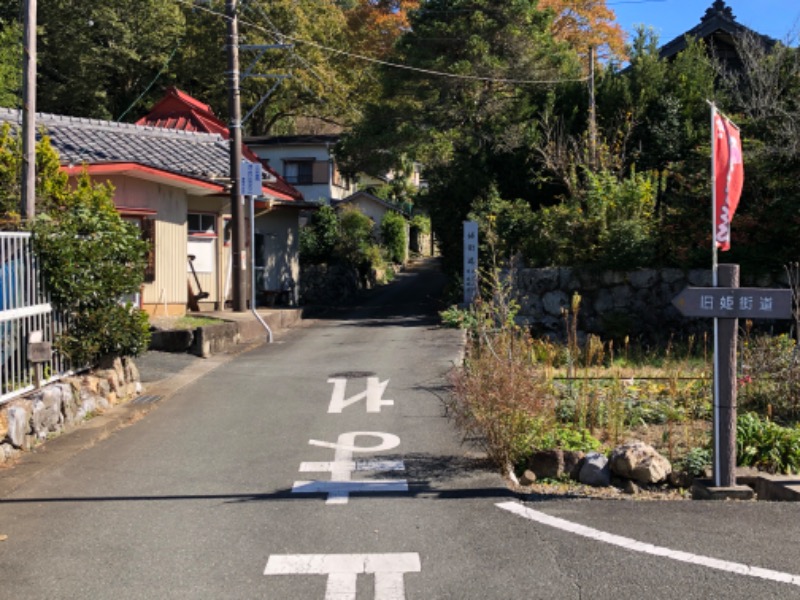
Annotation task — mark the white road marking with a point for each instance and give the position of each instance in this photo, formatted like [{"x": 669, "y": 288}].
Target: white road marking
[
  {"x": 343, "y": 569},
  {"x": 341, "y": 485},
  {"x": 645, "y": 548},
  {"x": 373, "y": 395}
]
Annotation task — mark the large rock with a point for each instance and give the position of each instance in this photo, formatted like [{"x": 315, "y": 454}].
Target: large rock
[
  {"x": 18, "y": 424},
  {"x": 573, "y": 461},
  {"x": 595, "y": 471},
  {"x": 47, "y": 416},
  {"x": 547, "y": 464},
  {"x": 640, "y": 462}
]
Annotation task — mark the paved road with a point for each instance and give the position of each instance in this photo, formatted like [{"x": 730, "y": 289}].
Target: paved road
[{"x": 323, "y": 467}]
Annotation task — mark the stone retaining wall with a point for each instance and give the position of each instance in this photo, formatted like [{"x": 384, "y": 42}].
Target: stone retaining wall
[
  {"x": 614, "y": 304},
  {"x": 59, "y": 407}
]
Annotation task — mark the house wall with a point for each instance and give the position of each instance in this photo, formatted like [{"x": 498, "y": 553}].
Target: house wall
[
  {"x": 167, "y": 294},
  {"x": 280, "y": 228},
  {"x": 335, "y": 189}
]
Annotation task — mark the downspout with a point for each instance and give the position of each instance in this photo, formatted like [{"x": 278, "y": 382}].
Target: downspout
[{"x": 253, "y": 291}]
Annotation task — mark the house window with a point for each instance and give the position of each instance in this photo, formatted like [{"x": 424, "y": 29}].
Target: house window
[
  {"x": 147, "y": 226},
  {"x": 299, "y": 171},
  {"x": 201, "y": 224}
]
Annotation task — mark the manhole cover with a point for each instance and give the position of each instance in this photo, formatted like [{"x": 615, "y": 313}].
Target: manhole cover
[{"x": 352, "y": 374}]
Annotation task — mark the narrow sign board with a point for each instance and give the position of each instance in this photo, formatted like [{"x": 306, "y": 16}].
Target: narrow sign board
[
  {"x": 734, "y": 303},
  {"x": 250, "y": 182},
  {"x": 470, "y": 261}
]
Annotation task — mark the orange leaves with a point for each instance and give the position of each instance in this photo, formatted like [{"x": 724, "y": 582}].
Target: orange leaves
[
  {"x": 375, "y": 25},
  {"x": 585, "y": 23}
]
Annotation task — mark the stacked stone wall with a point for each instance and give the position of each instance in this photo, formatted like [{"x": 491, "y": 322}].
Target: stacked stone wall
[
  {"x": 615, "y": 304},
  {"x": 59, "y": 407}
]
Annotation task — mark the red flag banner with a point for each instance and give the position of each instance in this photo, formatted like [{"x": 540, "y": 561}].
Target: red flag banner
[{"x": 728, "y": 177}]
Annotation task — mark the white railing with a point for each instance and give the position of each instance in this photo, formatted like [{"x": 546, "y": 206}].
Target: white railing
[{"x": 25, "y": 310}]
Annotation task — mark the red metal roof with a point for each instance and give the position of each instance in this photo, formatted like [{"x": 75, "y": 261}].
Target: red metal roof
[{"x": 179, "y": 110}]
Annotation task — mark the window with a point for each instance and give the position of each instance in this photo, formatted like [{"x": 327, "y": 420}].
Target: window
[
  {"x": 201, "y": 223},
  {"x": 147, "y": 225},
  {"x": 299, "y": 171}
]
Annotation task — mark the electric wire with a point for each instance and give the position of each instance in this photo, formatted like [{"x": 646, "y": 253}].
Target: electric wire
[{"x": 394, "y": 65}]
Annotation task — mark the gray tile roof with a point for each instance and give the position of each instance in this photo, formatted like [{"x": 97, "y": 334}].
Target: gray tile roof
[{"x": 199, "y": 155}]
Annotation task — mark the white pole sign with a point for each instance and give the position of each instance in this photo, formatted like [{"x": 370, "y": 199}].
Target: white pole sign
[
  {"x": 250, "y": 183},
  {"x": 470, "y": 261}
]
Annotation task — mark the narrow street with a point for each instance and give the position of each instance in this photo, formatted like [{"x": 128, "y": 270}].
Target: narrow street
[{"x": 324, "y": 467}]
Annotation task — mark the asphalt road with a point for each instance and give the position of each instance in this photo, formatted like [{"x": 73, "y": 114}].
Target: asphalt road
[{"x": 323, "y": 466}]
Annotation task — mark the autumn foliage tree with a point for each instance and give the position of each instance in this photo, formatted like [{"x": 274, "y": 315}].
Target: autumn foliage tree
[
  {"x": 587, "y": 23},
  {"x": 375, "y": 25}
]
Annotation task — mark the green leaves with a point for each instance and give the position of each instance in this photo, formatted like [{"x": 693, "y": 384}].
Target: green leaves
[{"x": 90, "y": 259}]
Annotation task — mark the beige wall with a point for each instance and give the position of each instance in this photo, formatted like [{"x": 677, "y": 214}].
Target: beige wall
[
  {"x": 280, "y": 228},
  {"x": 168, "y": 293}
]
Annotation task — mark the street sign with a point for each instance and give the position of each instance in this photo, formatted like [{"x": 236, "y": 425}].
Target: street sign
[
  {"x": 250, "y": 182},
  {"x": 734, "y": 303},
  {"x": 470, "y": 261}
]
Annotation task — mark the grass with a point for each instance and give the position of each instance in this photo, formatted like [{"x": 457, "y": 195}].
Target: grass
[
  {"x": 184, "y": 322},
  {"x": 517, "y": 394}
]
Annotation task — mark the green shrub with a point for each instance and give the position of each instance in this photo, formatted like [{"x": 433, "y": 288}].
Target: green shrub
[
  {"x": 90, "y": 259},
  {"x": 764, "y": 444},
  {"x": 318, "y": 239},
  {"x": 393, "y": 233},
  {"x": 355, "y": 236}
]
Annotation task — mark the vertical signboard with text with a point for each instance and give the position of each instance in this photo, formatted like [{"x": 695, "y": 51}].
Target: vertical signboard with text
[{"x": 470, "y": 261}]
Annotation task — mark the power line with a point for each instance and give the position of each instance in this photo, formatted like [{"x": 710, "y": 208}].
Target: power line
[{"x": 392, "y": 65}]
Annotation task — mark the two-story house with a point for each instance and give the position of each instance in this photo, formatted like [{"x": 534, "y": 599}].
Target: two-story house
[{"x": 307, "y": 162}]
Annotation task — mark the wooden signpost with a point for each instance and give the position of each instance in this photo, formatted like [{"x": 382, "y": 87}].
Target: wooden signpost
[{"x": 727, "y": 303}]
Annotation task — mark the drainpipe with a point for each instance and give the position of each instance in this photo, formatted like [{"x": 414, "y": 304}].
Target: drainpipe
[{"x": 253, "y": 291}]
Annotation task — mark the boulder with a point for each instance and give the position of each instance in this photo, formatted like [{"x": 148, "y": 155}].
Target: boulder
[
  {"x": 547, "y": 464},
  {"x": 47, "y": 416},
  {"x": 18, "y": 424},
  {"x": 573, "y": 461},
  {"x": 640, "y": 462},
  {"x": 595, "y": 471}
]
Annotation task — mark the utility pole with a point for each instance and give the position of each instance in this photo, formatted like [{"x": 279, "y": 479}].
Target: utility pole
[
  {"x": 28, "y": 200},
  {"x": 592, "y": 113},
  {"x": 239, "y": 255}
]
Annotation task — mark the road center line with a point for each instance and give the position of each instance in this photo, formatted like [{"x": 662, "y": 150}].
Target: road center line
[{"x": 636, "y": 546}]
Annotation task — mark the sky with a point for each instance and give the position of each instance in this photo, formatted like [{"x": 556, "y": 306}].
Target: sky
[{"x": 671, "y": 18}]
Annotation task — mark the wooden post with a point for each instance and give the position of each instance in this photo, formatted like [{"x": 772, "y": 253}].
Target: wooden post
[{"x": 725, "y": 400}]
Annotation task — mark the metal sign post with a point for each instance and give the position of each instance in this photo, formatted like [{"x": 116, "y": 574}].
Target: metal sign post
[{"x": 727, "y": 304}]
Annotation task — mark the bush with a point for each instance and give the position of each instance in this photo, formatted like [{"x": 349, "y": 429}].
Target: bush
[
  {"x": 318, "y": 239},
  {"x": 764, "y": 444},
  {"x": 393, "y": 233},
  {"x": 355, "y": 236},
  {"x": 90, "y": 259}
]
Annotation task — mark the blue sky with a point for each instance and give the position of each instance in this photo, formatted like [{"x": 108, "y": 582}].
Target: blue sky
[{"x": 670, "y": 18}]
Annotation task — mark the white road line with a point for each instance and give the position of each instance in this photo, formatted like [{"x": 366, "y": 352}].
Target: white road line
[
  {"x": 343, "y": 569},
  {"x": 636, "y": 546}
]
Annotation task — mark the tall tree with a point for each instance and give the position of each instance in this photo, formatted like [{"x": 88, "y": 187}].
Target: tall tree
[
  {"x": 484, "y": 69},
  {"x": 587, "y": 23},
  {"x": 373, "y": 26},
  {"x": 97, "y": 58}
]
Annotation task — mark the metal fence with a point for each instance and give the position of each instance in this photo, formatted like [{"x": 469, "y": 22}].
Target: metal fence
[{"x": 25, "y": 316}]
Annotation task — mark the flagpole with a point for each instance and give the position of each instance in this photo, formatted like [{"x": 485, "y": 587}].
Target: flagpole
[{"x": 715, "y": 283}]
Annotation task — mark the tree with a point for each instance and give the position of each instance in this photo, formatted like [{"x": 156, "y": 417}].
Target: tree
[
  {"x": 96, "y": 59},
  {"x": 587, "y": 23},
  {"x": 469, "y": 125},
  {"x": 90, "y": 259},
  {"x": 10, "y": 64},
  {"x": 373, "y": 26}
]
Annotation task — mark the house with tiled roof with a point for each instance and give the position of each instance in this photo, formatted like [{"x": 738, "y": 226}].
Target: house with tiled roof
[
  {"x": 276, "y": 253},
  {"x": 307, "y": 162},
  {"x": 175, "y": 186},
  {"x": 720, "y": 30}
]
